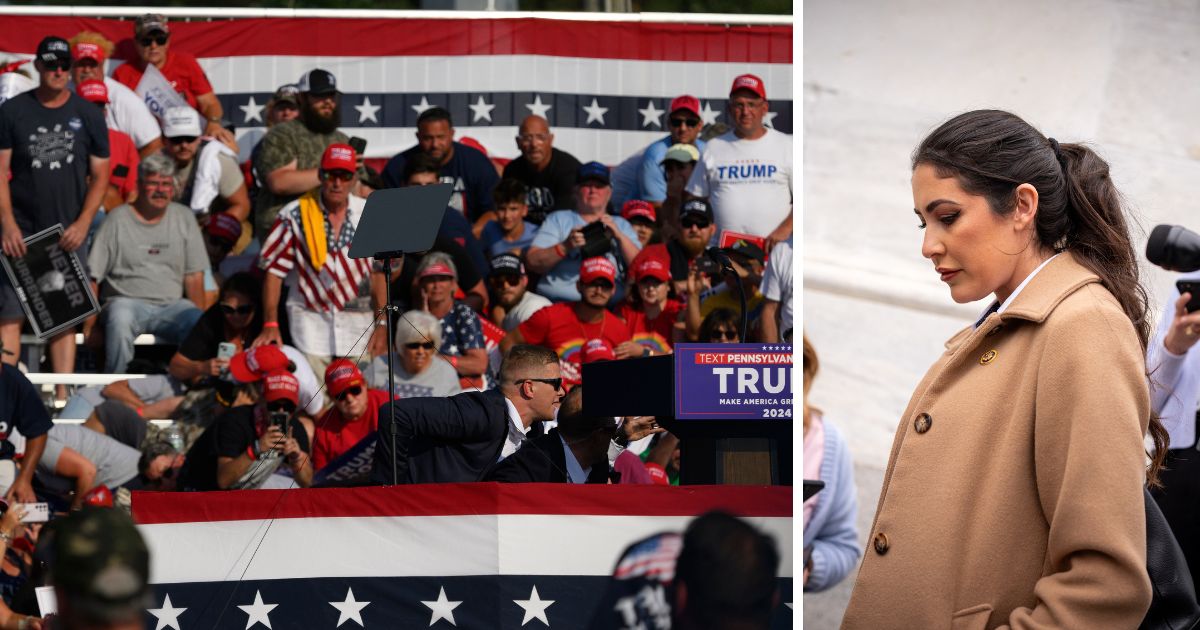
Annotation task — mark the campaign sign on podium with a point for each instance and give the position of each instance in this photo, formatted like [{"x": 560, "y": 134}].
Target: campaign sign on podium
[
  {"x": 50, "y": 283},
  {"x": 751, "y": 381}
]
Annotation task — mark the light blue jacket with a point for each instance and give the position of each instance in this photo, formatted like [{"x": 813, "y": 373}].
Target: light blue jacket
[{"x": 831, "y": 531}]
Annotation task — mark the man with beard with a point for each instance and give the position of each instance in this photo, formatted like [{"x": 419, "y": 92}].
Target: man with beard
[
  {"x": 513, "y": 302},
  {"x": 696, "y": 229},
  {"x": 291, "y": 151},
  {"x": 548, "y": 172},
  {"x": 468, "y": 169},
  {"x": 54, "y": 147}
]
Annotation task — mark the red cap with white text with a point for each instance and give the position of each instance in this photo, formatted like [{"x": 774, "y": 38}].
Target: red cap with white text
[{"x": 749, "y": 82}]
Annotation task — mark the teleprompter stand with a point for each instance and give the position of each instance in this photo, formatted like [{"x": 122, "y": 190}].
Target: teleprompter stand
[
  {"x": 723, "y": 450},
  {"x": 395, "y": 222}
]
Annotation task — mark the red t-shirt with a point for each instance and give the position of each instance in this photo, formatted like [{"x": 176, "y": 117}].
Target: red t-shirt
[
  {"x": 122, "y": 153},
  {"x": 556, "y": 327},
  {"x": 181, "y": 69},
  {"x": 335, "y": 435},
  {"x": 657, "y": 334}
]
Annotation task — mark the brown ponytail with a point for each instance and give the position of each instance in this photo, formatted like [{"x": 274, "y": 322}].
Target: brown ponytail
[{"x": 991, "y": 152}]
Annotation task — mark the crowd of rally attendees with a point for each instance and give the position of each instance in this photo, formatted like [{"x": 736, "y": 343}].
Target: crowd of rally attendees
[{"x": 240, "y": 264}]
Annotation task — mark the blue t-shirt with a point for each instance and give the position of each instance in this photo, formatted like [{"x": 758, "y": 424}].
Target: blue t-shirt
[
  {"x": 558, "y": 285},
  {"x": 457, "y": 228},
  {"x": 461, "y": 331},
  {"x": 469, "y": 170},
  {"x": 652, "y": 178},
  {"x": 493, "y": 239},
  {"x": 20, "y": 406}
]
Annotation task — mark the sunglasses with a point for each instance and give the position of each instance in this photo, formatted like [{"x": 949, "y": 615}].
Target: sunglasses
[
  {"x": 351, "y": 391},
  {"x": 600, "y": 284},
  {"x": 422, "y": 345},
  {"x": 160, "y": 39},
  {"x": 281, "y": 405},
  {"x": 556, "y": 383},
  {"x": 505, "y": 278},
  {"x": 679, "y": 122},
  {"x": 694, "y": 223},
  {"x": 724, "y": 335},
  {"x": 339, "y": 175},
  {"x": 244, "y": 309},
  {"x": 61, "y": 65},
  {"x": 182, "y": 139}
]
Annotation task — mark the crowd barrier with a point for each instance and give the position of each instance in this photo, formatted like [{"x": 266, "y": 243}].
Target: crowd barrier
[{"x": 299, "y": 558}]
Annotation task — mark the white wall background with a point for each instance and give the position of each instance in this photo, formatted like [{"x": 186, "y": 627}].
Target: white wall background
[{"x": 879, "y": 75}]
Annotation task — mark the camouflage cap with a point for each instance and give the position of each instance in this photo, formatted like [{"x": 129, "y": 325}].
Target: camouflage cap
[{"x": 101, "y": 565}]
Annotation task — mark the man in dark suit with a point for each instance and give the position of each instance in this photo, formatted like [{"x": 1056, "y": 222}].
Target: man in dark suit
[
  {"x": 576, "y": 451},
  {"x": 455, "y": 439}
]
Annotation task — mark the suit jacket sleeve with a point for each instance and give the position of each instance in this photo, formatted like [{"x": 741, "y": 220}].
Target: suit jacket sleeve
[{"x": 461, "y": 418}]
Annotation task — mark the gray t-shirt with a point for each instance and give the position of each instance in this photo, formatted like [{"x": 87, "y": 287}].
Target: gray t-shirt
[
  {"x": 439, "y": 379},
  {"x": 116, "y": 463},
  {"x": 131, "y": 258},
  {"x": 530, "y": 303}
]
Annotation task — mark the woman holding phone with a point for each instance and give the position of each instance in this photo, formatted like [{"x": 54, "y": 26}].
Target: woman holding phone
[
  {"x": 1014, "y": 492},
  {"x": 1173, "y": 361},
  {"x": 226, "y": 328}
]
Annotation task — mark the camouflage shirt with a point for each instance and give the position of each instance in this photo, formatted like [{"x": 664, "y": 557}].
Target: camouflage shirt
[{"x": 283, "y": 143}]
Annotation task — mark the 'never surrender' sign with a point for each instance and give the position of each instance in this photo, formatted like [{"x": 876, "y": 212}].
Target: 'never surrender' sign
[{"x": 736, "y": 381}]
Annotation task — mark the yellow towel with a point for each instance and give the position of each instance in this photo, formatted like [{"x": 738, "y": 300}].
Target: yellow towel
[{"x": 313, "y": 222}]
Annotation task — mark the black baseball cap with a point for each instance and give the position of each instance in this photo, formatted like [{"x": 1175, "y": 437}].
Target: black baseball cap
[
  {"x": 507, "y": 263},
  {"x": 318, "y": 81},
  {"x": 101, "y": 564},
  {"x": 697, "y": 207},
  {"x": 746, "y": 249},
  {"x": 52, "y": 49}
]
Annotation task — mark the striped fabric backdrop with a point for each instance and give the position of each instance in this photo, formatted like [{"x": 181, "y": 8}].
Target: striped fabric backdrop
[{"x": 604, "y": 86}]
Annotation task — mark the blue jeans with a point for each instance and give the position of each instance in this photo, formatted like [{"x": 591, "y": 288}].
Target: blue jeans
[{"x": 126, "y": 318}]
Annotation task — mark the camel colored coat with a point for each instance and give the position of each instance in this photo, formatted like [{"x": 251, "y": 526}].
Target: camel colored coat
[{"x": 1013, "y": 494}]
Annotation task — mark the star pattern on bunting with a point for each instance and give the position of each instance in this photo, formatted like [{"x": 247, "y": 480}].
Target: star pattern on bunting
[
  {"x": 366, "y": 111},
  {"x": 537, "y": 107},
  {"x": 651, "y": 115},
  {"x": 349, "y": 609},
  {"x": 481, "y": 110},
  {"x": 423, "y": 105},
  {"x": 595, "y": 113},
  {"x": 258, "y": 612},
  {"x": 252, "y": 111},
  {"x": 442, "y": 608},
  {"x": 769, "y": 119},
  {"x": 534, "y": 607},
  {"x": 167, "y": 616}
]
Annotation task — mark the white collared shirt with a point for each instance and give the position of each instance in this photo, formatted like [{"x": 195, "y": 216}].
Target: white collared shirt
[
  {"x": 1020, "y": 287},
  {"x": 575, "y": 472},
  {"x": 516, "y": 431}
]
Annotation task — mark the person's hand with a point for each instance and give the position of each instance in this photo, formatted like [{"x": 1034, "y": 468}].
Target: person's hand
[
  {"x": 778, "y": 235},
  {"x": 292, "y": 452},
  {"x": 607, "y": 221},
  {"x": 221, "y": 134},
  {"x": 73, "y": 237},
  {"x": 377, "y": 344},
  {"x": 638, "y": 427},
  {"x": 213, "y": 367},
  {"x": 1185, "y": 328},
  {"x": 272, "y": 439},
  {"x": 12, "y": 241},
  {"x": 12, "y": 519},
  {"x": 627, "y": 349},
  {"x": 575, "y": 240},
  {"x": 269, "y": 335},
  {"x": 21, "y": 491}
]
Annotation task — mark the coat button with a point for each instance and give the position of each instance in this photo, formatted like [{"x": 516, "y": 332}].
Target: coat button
[
  {"x": 881, "y": 543},
  {"x": 922, "y": 423}
]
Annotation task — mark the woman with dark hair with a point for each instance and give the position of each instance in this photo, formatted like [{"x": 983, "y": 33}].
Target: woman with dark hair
[
  {"x": 236, "y": 318},
  {"x": 720, "y": 326},
  {"x": 1014, "y": 491}
]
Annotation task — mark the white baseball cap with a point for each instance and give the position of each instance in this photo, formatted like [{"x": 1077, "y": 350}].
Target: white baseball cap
[{"x": 181, "y": 121}]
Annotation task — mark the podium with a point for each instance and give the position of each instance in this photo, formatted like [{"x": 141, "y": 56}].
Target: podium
[{"x": 712, "y": 451}]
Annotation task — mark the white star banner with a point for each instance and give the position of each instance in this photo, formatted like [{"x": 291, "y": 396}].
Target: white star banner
[
  {"x": 603, "y": 84},
  {"x": 445, "y": 556}
]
